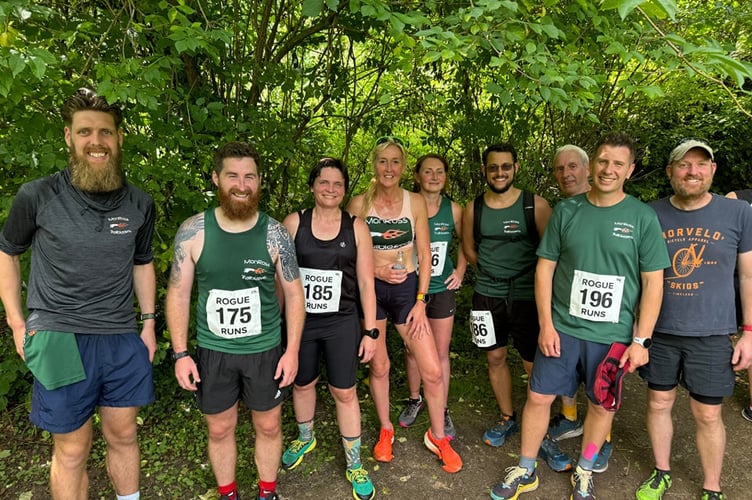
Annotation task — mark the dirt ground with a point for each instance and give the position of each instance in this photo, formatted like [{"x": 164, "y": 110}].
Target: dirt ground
[{"x": 415, "y": 473}]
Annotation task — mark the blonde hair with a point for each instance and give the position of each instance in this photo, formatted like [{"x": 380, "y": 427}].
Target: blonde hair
[{"x": 381, "y": 145}]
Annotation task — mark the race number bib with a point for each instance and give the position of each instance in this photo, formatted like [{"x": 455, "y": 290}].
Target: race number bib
[
  {"x": 596, "y": 297},
  {"x": 482, "y": 328},
  {"x": 438, "y": 257},
  {"x": 322, "y": 290},
  {"x": 234, "y": 313}
]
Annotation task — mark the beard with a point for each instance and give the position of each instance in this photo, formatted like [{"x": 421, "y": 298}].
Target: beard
[
  {"x": 94, "y": 179},
  {"x": 501, "y": 190},
  {"x": 238, "y": 209}
]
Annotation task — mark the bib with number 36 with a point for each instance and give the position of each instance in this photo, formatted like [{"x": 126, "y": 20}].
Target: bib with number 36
[
  {"x": 596, "y": 297},
  {"x": 438, "y": 257},
  {"x": 482, "y": 328}
]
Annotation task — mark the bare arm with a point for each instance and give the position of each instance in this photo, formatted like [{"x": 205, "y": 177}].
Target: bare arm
[
  {"x": 282, "y": 250},
  {"x": 145, "y": 287},
  {"x": 454, "y": 281},
  {"x": 742, "y": 357},
  {"x": 189, "y": 241},
  {"x": 364, "y": 271},
  {"x": 548, "y": 339},
  {"x": 416, "y": 318},
  {"x": 10, "y": 294},
  {"x": 542, "y": 214},
  {"x": 468, "y": 238},
  {"x": 650, "y": 306}
]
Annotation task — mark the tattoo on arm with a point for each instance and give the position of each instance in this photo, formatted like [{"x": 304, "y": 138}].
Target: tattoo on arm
[
  {"x": 188, "y": 230},
  {"x": 279, "y": 243}
]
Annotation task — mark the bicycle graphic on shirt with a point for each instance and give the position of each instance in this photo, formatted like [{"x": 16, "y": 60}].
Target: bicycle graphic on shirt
[{"x": 687, "y": 260}]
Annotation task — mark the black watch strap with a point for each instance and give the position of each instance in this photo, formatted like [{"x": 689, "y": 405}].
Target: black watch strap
[
  {"x": 182, "y": 354},
  {"x": 373, "y": 333},
  {"x": 147, "y": 316}
]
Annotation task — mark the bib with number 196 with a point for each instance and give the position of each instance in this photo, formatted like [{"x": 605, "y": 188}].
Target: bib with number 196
[{"x": 596, "y": 297}]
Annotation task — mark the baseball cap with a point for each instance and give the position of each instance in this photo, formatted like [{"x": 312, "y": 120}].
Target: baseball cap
[
  {"x": 609, "y": 377},
  {"x": 682, "y": 149}
]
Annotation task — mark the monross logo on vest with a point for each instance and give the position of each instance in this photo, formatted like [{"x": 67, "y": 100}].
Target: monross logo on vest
[
  {"x": 623, "y": 230},
  {"x": 254, "y": 270},
  {"x": 119, "y": 225}
]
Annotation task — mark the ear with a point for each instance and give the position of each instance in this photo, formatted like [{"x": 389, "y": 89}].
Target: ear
[
  {"x": 668, "y": 171},
  {"x": 631, "y": 169},
  {"x": 120, "y": 137},
  {"x": 67, "y": 136},
  {"x": 215, "y": 178},
  {"x": 516, "y": 168}
]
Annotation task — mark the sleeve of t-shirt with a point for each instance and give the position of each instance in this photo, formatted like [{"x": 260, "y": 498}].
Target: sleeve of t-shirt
[
  {"x": 550, "y": 245},
  {"x": 144, "y": 252},
  {"x": 653, "y": 250},
  {"x": 18, "y": 231},
  {"x": 745, "y": 239}
]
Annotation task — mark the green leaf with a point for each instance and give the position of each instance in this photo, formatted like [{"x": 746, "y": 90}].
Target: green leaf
[
  {"x": 312, "y": 8},
  {"x": 16, "y": 63}
]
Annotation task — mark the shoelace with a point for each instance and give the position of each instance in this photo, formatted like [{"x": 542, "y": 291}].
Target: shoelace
[
  {"x": 583, "y": 480},
  {"x": 298, "y": 445},
  {"x": 359, "y": 476},
  {"x": 514, "y": 473}
]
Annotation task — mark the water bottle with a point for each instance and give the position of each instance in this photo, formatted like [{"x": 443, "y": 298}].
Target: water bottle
[{"x": 400, "y": 264}]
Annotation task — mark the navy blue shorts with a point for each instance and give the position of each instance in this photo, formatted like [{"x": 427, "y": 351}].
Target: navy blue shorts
[
  {"x": 396, "y": 301},
  {"x": 520, "y": 322},
  {"x": 577, "y": 363},
  {"x": 337, "y": 338},
  {"x": 227, "y": 378},
  {"x": 118, "y": 374},
  {"x": 442, "y": 305},
  {"x": 701, "y": 364}
]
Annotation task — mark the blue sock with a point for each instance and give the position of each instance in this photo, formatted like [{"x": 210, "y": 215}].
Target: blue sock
[
  {"x": 132, "y": 496},
  {"x": 528, "y": 463}
]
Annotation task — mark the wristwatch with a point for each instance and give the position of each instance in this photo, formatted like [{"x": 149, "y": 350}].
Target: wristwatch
[
  {"x": 182, "y": 354},
  {"x": 373, "y": 333},
  {"x": 423, "y": 297},
  {"x": 645, "y": 342},
  {"x": 147, "y": 316}
]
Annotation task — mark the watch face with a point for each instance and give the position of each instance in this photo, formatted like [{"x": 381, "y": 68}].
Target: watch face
[
  {"x": 373, "y": 333},
  {"x": 646, "y": 343}
]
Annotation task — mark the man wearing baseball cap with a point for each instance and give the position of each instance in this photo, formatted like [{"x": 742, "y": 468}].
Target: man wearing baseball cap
[{"x": 706, "y": 235}]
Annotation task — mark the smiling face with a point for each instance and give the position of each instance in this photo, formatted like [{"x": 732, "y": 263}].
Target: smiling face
[
  {"x": 571, "y": 173},
  {"x": 388, "y": 165},
  {"x": 610, "y": 168},
  {"x": 500, "y": 171},
  {"x": 238, "y": 187},
  {"x": 692, "y": 175},
  {"x": 329, "y": 188},
  {"x": 432, "y": 176},
  {"x": 95, "y": 157}
]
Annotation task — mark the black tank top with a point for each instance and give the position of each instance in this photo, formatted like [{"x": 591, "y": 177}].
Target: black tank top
[{"x": 339, "y": 254}]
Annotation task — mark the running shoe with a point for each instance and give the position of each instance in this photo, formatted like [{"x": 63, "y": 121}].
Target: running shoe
[
  {"x": 382, "y": 452},
  {"x": 496, "y": 435},
  {"x": 582, "y": 483},
  {"x": 411, "y": 411},
  {"x": 561, "y": 427},
  {"x": 362, "y": 487},
  {"x": 517, "y": 481},
  {"x": 747, "y": 412},
  {"x": 554, "y": 457},
  {"x": 269, "y": 496},
  {"x": 449, "y": 431},
  {"x": 601, "y": 461},
  {"x": 655, "y": 486},
  {"x": 451, "y": 461},
  {"x": 712, "y": 495},
  {"x": 230, "y": 496},
  {"x": 294, "y": 454}
]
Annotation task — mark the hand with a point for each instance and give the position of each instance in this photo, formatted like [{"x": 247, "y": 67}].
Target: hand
[
  {"x": 417, "y": 321},
  {"x": 390, "y": 275},
  {"x": 549, "y": 342},
  {"x": 637, "y": 355},
  {"x": 454, "y": 281},
  {"x": 149, "y": 338},
  {"x": 287, "y": 368},
  {"x": 367, "y": 349},
  {"x": 186, "y": 373},
  {"x": 742, "y": 357},
  {"x": 19, "y": 333}
]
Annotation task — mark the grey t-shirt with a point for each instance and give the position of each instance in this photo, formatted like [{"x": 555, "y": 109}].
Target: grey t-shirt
[
  {"x": 83, "y": 249},
  {"x": 703, "y": 244}
]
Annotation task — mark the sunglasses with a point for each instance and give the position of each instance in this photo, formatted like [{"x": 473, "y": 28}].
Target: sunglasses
[{"x": 391, "y": 139}]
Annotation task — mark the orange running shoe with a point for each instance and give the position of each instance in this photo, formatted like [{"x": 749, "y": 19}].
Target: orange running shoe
[
  {"x": 451, "y": 461},
  {"x": 382, "y": 452}
]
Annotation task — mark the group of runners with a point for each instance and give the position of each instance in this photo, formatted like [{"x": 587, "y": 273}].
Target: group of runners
[{"x": 276, "y": 299}]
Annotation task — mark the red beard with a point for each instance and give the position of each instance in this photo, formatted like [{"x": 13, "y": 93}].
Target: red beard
[{"x": 235, "y": 209}]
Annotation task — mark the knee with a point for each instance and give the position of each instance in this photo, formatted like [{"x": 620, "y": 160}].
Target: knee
[
  {"x": 660, "y": 401},
  {"x": 707, "y": 415},
  {"x": 268, "y": 428},
  {"x": 497, "y": 358},
  {"x": 541, "y": 400},
  {"x": 71, "y": 455},
  {"x": 122, "y": 435},
  {"x": 221, "y": 431},
  {"x": 379, "y": 369},
  {"x": 344, "y": 396}
]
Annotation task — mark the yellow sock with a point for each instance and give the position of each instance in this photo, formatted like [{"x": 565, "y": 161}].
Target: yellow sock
[
  {"x": 608, "y": 438},
  {"x": 569, "y": 412}
]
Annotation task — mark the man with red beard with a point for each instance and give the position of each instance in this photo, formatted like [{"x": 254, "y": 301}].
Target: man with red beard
[
  {"x": 707, "y": 236},
  {"x": 237, "y": 253},
  {"x": 500, "y": 238},
  {"x": 91, "y": 238}
]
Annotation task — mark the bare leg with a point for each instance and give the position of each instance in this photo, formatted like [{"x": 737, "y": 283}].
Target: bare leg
[
  {"x": 379, "y": 378},
  {"x": 348, "y": 410},
  {"x": 222, "y": 447},
  {"x": 68, "y": 477},
  {"x": 596, "y": 427},
  {"x": 711, "y": 441},
  {"x": 268, "y": 427},
  {"x": 442, "y": 335},
  {"x": 123, "y": 456},
  {"x": 535, "y": 418},
  {"x": 304, "y": 401},
  {"x": 501, "y": 379},
  {"x": 660, "y": 426}
]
